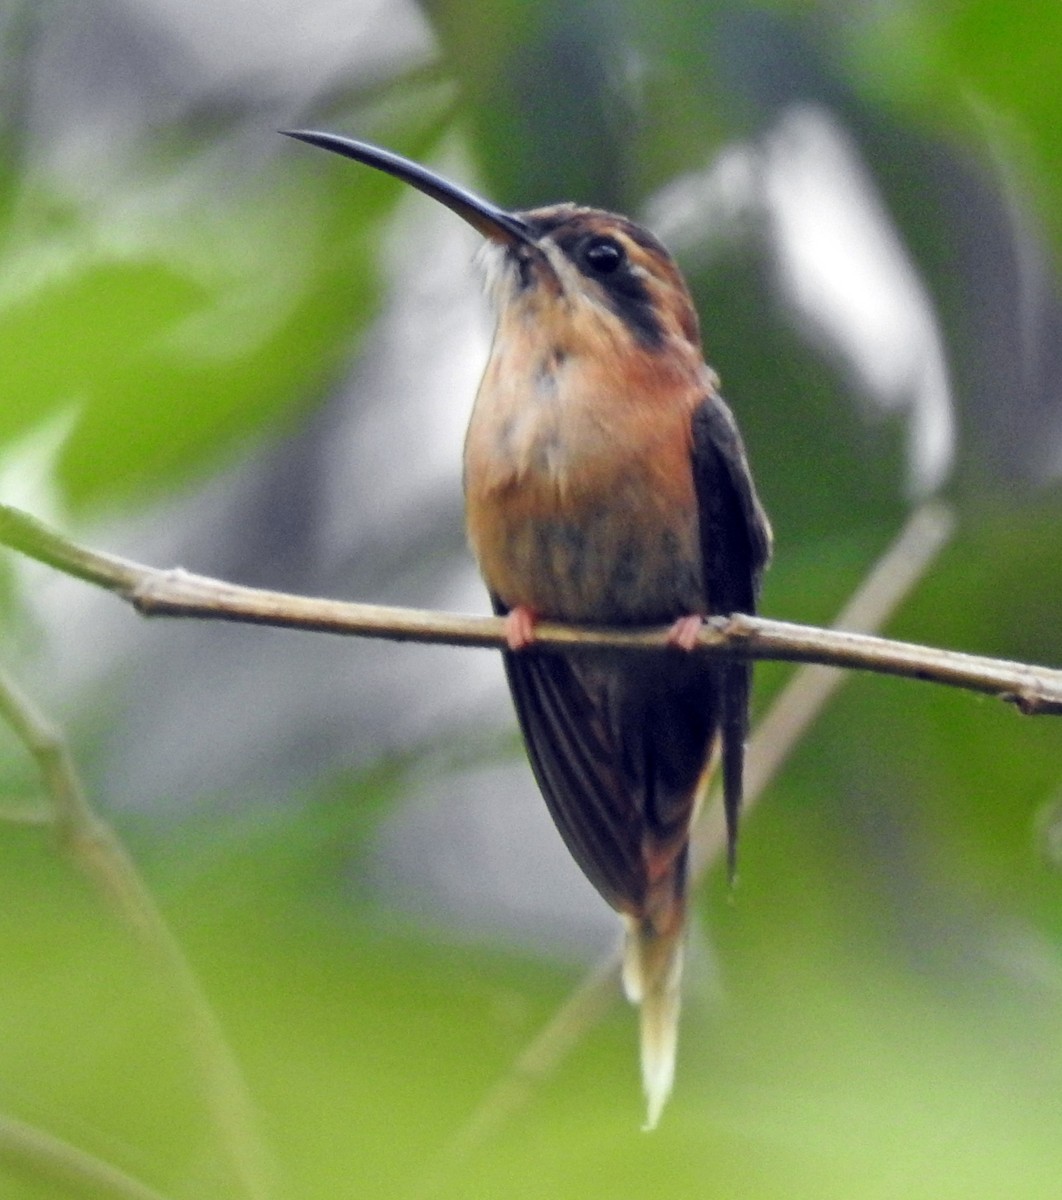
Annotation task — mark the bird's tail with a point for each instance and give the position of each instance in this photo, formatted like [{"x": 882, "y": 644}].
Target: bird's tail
[{"x": 652, "y": 977}]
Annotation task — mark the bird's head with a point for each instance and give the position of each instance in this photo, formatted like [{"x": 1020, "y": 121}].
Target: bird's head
[{"x": 588, "y": 279}]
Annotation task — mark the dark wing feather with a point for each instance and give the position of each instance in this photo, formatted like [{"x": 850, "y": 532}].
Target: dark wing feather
[
  {"x": 572, "y": 756},
  {"x": 617, "y": 744},
  {"x": 735, "y": 549}
]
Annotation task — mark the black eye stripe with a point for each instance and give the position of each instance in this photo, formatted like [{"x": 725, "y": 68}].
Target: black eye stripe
[{"x": 625, "y": 292}]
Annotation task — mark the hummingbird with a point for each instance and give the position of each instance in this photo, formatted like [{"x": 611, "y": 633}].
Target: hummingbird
[{"x": 606, "y": 483}]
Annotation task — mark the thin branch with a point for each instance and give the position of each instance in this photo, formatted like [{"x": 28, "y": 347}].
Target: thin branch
[
  {"x": 48, "y": 1157},
  {"x": 178, "y": 593},
  {"x": 799, "y": 704},
  {"x": 95, "y": 850}
]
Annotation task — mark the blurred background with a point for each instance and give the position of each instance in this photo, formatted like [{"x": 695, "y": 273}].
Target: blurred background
[{"x": 224, "y": 350}]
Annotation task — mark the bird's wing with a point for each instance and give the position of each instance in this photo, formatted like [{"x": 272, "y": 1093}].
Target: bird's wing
[
  {"x": 735, "y": 549},
  {"x": 572, "y": 754},
  {"x": 617, "y": 744}
]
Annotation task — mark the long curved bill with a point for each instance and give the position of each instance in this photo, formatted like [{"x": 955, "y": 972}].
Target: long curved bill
[{"x": 493, "y": 222}]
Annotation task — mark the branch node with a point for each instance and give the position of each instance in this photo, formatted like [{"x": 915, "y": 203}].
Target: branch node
[
  {"x": 737, "y": 627},
  {"x": 148, "y": 594},
  {"x": 1027, "y": 700}
]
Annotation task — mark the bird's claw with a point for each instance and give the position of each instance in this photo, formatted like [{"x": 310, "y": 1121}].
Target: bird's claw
[
  {"x": 685, "y": 632},
  {"x": 520, "y": 627}
]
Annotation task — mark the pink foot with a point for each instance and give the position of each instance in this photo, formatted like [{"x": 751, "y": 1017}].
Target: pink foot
[
  {"x": 520, "y": 627},
  {"x": 684, "y": 633}
]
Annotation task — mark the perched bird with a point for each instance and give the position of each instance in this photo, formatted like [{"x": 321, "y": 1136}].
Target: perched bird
[{"x": 606, "y": 482}]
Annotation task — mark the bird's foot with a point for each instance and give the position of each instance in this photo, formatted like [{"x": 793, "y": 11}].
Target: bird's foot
[
  {"x": 520, "y": 627},
  {"x": 684, "y": 633}
]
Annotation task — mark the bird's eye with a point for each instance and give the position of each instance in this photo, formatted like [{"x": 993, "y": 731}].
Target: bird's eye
[{"x": 603, "y": 255}]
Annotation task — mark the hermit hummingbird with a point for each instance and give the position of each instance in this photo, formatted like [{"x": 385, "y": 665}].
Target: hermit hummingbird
[{"x": 606, "y": 483}]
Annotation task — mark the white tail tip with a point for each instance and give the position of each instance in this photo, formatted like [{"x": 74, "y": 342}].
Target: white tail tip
[{"x": 652, "y": 975}]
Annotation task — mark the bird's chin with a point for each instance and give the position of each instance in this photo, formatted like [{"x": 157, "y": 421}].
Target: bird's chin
[{"x": 506, "y": 270}]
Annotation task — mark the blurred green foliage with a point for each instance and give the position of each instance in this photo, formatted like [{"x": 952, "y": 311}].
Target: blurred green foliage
[
  {"x": 224, "y": 323},
  {"x": 889, "y": 1016}
]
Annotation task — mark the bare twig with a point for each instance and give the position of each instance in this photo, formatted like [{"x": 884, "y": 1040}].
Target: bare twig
[
  {"x": 797, "y": 706},
  {"x": 178, "y": 593},
  {"x": 96, "y": 851}
]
